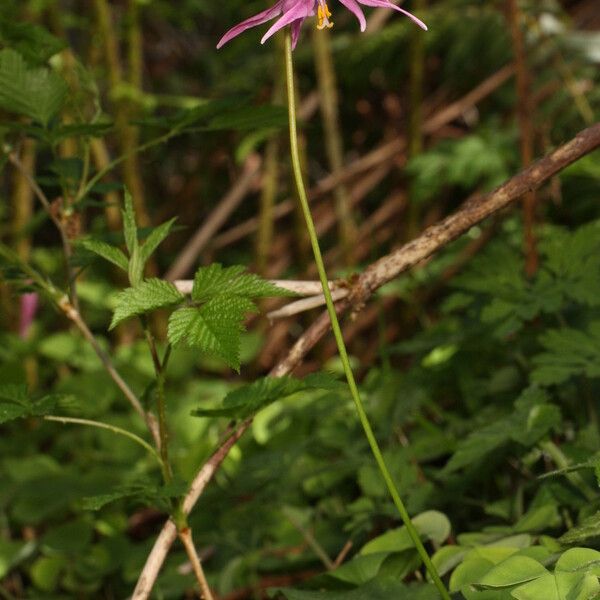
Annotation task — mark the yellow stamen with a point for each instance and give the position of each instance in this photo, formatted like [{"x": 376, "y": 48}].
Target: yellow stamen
[{"x": 323, "y": 15}]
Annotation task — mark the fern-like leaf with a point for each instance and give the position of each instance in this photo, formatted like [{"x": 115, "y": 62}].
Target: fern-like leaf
[{"x": 149, "y": 295}]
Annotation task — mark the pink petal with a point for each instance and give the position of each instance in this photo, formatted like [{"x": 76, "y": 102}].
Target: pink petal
[
  {"x": 353, "y": 7},
  {"x": 299, "y": 11},
  {"x": 296, "y": 26},
  {"x": 259, "y": 19},
  {"x": 29, "y": 304},
  {"x": 388, "y": 4}
]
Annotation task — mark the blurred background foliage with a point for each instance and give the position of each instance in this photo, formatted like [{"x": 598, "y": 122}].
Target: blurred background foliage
[{"x": 480, "y": 367}]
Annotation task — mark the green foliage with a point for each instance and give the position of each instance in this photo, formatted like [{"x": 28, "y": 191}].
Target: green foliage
[
  {"x": 249, "y": 399},
  {"x": 216, "y": 325},
  {"x": 16, "y": 403},
  {"x": 37, "y": 93},
  {"x": 215, "y": 280},
  {"x": 149, "y": 295},
  {"x": 532, "y": 418},
  {"x": 485, "y": 400}
]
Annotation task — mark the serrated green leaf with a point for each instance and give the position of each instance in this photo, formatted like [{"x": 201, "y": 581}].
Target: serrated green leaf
[
  {"x": 36, "y": 93},
  {"x": 106, "y": 251},
  {"x": 157, "y": 235},
  {"x": 16, "y": 403},
  {"x": 149, "y": 295},
  {"x": 216, "y": 280},
  {"x": 214, "y": 328},
  {"x": 249, "y": 399}
]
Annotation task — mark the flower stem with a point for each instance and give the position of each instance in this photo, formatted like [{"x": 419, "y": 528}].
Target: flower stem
[{"x": 337, "y": 332}]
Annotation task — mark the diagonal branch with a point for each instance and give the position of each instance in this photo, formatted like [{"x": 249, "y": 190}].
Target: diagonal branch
[{"x": 380, "y": 272}]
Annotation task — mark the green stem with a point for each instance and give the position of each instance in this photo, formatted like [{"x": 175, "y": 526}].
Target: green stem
[
  {"x": 159, "y": 370},
  {"x": 337, "y": 332},
  {"x": 118, "y": 430}
]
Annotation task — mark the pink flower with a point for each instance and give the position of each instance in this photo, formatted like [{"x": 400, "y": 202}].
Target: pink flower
[
  {"x": 29, "y": 304},
  {"x": 293, "y": 12}
]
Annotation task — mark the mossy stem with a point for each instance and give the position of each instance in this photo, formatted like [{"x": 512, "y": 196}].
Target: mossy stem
[{"x": 337, "y": 332}]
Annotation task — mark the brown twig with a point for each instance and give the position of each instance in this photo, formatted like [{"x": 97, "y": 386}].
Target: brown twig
[
  {"x": 185, "y": 535},
  {"x": 188, "y": 256},
  {"x": 385, "y": 269}
]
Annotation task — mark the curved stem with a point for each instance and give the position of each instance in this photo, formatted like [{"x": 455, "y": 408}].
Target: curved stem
[
  {"x": 337, "y": 332},
  {"x": 118, "y": 430}
]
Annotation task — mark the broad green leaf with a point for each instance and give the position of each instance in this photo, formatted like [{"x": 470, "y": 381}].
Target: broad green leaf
[
  {"x": 431, "y": 525},
  {"x": 515, "y": 570},
  {"x": 36, "y": 93},
  {"x": 468, "y": 572},
  {"x": 157, "y": 235},
  {"x": 106, "y": 251},
  {"x": 559, "y": 586},
  {"x": 148, "y": 296},
  {"x": 579, "y": 559},
  {"x": 215, "y": 280},
  {"x": 248, "y": 399},
  {"x": 360, "y": 569},
  {"x": 214, "y": 328}
]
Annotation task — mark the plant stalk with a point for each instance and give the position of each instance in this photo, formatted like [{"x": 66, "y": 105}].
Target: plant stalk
[{"x": 337, "y": 332}]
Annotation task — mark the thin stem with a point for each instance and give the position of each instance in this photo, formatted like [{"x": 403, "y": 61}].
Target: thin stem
[
  {"x": 337, "y": 332},
  {"x": 309, "y": 538},
  {"x": 159, "y": 370},
  {"x": 562, "y": 462},
  {"x": 117, "y": 161},
  {"x": 185, "y": 535},
  {"x": 99, "y": 425}
]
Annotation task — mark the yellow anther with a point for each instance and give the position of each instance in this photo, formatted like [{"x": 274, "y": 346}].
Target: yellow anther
[{"x": 323, "y": 15}]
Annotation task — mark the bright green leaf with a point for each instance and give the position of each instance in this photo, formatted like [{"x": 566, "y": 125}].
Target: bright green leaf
[{"x": 148, "y": 296}]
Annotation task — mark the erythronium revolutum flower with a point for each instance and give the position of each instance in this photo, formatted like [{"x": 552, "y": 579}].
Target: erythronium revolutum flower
[{"x": 293, "y": 12}]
